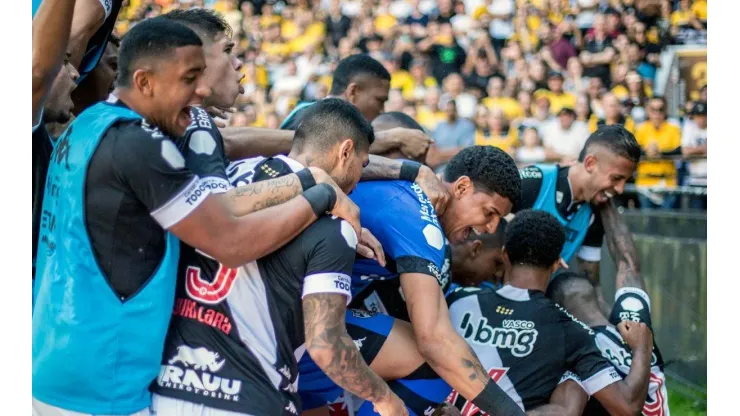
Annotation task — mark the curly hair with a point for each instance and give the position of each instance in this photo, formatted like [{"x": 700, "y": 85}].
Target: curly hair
[
  {"x": 490, "y": 169},
  {"x": 534, "y": 238}
]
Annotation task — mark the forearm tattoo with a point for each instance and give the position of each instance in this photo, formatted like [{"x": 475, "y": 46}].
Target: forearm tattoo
[
  {"x": 477, "y": 372},
  {"x": 260, "y": 195},
  {"x": 622, "y": 248},
  {"x": 325, "y": 330},
  {"x": 381, "y": 168}
]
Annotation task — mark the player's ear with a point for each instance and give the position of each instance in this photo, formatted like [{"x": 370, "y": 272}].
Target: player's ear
[
  {"x": 589, "y": 162},
  {"x": 351, "y": 92},
  {"x": 463, "y": 185},
  {"x": 346, "y": 150},
  {"x": 475, "y": 248},
  {"x": 554, "y": 268},
  {"x": 142, "y": 82}
]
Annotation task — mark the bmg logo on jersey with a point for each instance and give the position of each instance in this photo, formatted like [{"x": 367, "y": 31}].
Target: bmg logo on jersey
[{"x": 518, "y": 336}]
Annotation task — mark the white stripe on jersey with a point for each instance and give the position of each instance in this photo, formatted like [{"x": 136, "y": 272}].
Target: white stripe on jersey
[{"x": 250, "y": 312}]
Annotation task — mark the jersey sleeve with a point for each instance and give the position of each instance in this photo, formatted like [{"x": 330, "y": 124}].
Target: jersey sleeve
[
  {"x": 584, "y": 357},
  {"x": 631, "y": 304},
  {"x": 410, "y": 233},
  {"x": 151, "y": 164},
  {"x": 204, "y": 151},
  {"x": 329, "y": 248},
  {"x": 590, "y": 249},
  {"x": 531, "y": 177}
]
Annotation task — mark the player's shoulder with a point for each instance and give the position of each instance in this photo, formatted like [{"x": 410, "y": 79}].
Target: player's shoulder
[
  {"x": 332, "y": 232},
  {"x": 565, "y": 318},
  {"x": 530, "y": 172},
  {"x": 463, "y": 295}
]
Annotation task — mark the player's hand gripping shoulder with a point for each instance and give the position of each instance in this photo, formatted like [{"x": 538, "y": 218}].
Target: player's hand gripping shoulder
[
  {"x": 433, "y": 188},
  {"x": 334, "y": 351},
  {"x": 414, "y": 143},
  {"x": 368, "y": 246}
]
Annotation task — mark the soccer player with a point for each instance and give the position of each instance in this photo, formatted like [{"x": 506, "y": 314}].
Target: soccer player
[
  {"x": 394, "y": 120},
  {"x": 118, "y": 199},
  {"x": 631, "y": 303},
  {"x": 526, "y": 341},
  {"x": 570, "y": 193},
  {"x": 358, "y": 79},
  {"x": 53, "y": 79},
  {"x": 249, "y": 322},
  {"x": 483, "y": 182}
]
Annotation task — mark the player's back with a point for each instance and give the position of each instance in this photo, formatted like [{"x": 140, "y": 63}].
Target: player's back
[
  {"x": 525, "y": 341},
  {"x": 402, "y": 218}
]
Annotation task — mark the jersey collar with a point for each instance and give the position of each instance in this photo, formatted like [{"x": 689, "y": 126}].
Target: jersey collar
[
  {"x": 518, "y": 294},
  {"x": 294, "y": 165}
]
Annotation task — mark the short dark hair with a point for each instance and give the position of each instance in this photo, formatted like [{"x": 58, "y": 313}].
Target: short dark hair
[
  {"x": 206, "y": 23},
  {"x": 329, "y": 120},
  {"x": 114, "y": 40},
  {"x": 398, "y": 119},
  {"x": 566, "y": 284},
  {"x": 490, "y": 168},
  {"x": 354, "y": 66},
  {"x": 534, "y": 238},
  {"x": 155, "y": 38},
  {"x": 616, "y": 139}
]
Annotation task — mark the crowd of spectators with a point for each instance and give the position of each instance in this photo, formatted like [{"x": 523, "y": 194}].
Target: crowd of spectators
[{"x": 533, "y": 77}]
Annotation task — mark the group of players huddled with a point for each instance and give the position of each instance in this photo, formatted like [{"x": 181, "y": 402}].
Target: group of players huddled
[{"x": 179, "y": 272}]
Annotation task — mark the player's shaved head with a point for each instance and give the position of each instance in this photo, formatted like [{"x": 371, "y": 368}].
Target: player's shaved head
[
  {"x": 577, "y": 294},
  {"x": 150, "y": 42},
  {"x": 208, "y": 24},
  {"x": 330, "y": 121},
  {"x": 395, "y": 119}
]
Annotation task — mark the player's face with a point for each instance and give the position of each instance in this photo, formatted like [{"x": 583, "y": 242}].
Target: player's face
[
  {"x": 348, "y": 169},
  {"x": 608, "y": 174},
  {"x": 472, "y": 211},
  {"x": 472, "y": 263},
  {"x": 58, "y": 107},
  {"x": 223, "y": 72},
  {"x": 370, "y": 97},
  {"x": 175, "y": 86}
]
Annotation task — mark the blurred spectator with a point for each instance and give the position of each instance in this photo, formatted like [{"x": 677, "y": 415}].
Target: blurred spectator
[
  {"x": 447, "y": 57},
  {"x": 531, "y": 150},
  {"x": 560, "y": 50},
  {"x": 429, "y": 113},
  {"x": 419, "y": 83},
  {"x": 583, "y": 109},
  {"x": 694, "y": 144},
  {"x": 558, "y": 97},
  {"x": 658, "y": 139},
  {"x": 564, "y": 137},
  {"x": 598, "y": 52},
  {"x": 686, "y": 26},
  {"x": 612, "y": 115},
  {"x": 450, "y": 136},
  {"x": 481, "y": 64},
  {"x": 239, "y": 119},
  {"x": 511, "y": 108},
  {"x": 454, "y": 89},
  {"x": 496, "y": 132},
  {"x": 337, "y": 25}
]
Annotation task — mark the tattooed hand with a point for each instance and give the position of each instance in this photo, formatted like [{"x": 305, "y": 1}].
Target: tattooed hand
[{"x": 434, "y": 189}]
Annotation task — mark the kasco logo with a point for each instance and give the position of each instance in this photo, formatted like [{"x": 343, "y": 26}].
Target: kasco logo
[
  {"x": 517, "y": 336},
  {"x": 190, "y": 369}
]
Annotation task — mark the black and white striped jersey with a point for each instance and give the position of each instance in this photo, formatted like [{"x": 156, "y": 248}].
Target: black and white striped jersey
[
  {"x": 526, "y": 342},
  {"x": 631, "y": 304},
  {"x": 236, "y": 334}
]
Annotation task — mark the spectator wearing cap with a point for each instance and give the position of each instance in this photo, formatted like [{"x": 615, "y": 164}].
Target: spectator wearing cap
[
  {"x": 564, "y": 137},
  {"x": 658, "y": 139},
  {"x": 694, "y": 145},
  {"x": 496, "y": 99},
  {"x": 558, "y": 98},
  {"x": 450, "y": 136},
  {"x": 612, "y": 115},
  {"x": 497, "y": 133}
]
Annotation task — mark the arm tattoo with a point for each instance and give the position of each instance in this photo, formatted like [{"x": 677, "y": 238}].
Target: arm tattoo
[
  {"x": 323, "y": 316},
  {"x": 622, "y": 248},
  {"x": 381, "y": 168},
  {"x": 477, "y": 372},
  {"x": 260, "y": 195}
]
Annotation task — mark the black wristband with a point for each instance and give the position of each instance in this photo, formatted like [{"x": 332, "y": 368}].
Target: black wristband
[
  {"x": 306, "y": 178},
  {"x": 322, "y": 198},
  {"x": 494, "y": 401},
  {"x": 409, "y": 170}
]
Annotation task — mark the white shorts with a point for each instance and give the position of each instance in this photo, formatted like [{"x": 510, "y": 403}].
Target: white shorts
[
  {"x": 167, "y": 406},
  {"x": 43, "y": 409}
]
